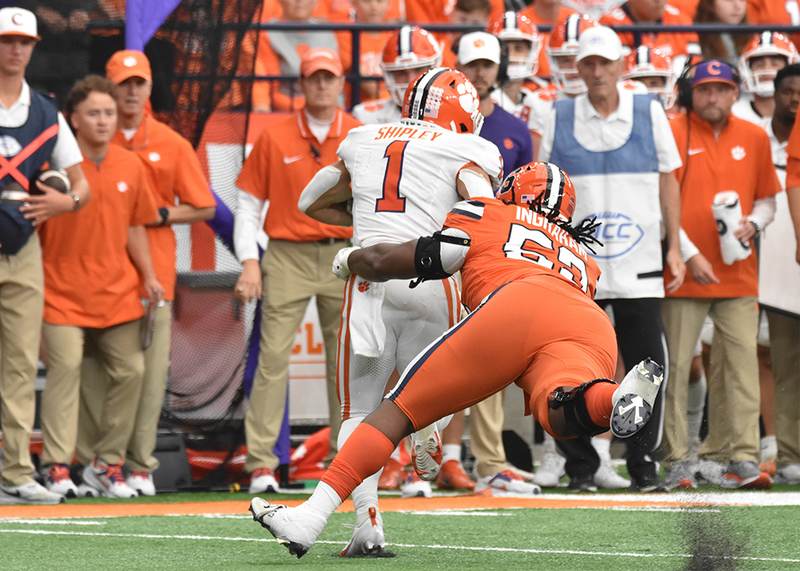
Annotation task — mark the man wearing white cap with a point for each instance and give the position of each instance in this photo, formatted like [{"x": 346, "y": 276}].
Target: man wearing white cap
[
  {"x": 479, "y": 59},
  {"x": 618, "y": 148},
  {"x": 31, "y": 133}
]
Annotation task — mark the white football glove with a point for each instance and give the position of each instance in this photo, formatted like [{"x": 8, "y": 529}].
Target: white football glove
[{"x": 340, "y": 267}]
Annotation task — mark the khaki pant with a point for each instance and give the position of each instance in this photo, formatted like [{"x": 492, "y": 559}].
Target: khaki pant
[
  {"x": 733, "y": 390},
  {"x": 21, "y": 307},
  {"x": 139, "y": 455},
  {"x": 111, "y": 402},
  {"x": 486, "y": 435},
  {"x": 293, "y": 273},
  {"x": 784, "y": 338}
]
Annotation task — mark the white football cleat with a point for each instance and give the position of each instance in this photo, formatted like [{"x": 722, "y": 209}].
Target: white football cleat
[
  {"x": 368, "y": 538},
  {"x": 141, "y": 482},
  {"x": 296, "y": 528},
  {"x": 428, "y": 452},
  {"x": 634, "y": 398},
  {"x": 108, "y": 480},
  {"x": 507, "y": 483}
]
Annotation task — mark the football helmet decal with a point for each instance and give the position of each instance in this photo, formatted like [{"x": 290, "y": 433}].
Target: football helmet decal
[
  {"x": 644, "y": 62},
  {"x": 410, "y": 47},
  {"x": 446, "y": 98},
  {"x": 765, "y": 44},
  {"x": 564, "y": 43},
  {"x": 513, "y": 26},
  {"x": 544, "y": 187}
]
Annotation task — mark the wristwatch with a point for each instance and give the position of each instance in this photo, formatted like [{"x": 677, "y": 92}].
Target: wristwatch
[
  {"x": 76, "y": 201},
  {"x": 164, "y": 213}
]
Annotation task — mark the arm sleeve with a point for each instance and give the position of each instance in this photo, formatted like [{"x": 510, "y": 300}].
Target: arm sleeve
[
  {"x": 667, "y": 150},
  {"x": 245, "y": 226},
  {"x": 763, "y": 212}
]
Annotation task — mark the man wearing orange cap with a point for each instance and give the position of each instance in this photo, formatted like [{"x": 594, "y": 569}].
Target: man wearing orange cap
[
  {"x": 32, "y": 132},
  {"x": 296, "y": 265},
  {"x": 183, "y": 197}
]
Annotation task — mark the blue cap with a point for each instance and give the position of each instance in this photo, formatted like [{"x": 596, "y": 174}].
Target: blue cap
[{"x": 713, "y": 70}]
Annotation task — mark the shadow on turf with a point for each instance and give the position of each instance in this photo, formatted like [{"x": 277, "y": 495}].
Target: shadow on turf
[{"x": 714, "y": 541}]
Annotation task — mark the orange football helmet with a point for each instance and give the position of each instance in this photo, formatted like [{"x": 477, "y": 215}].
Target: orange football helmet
[
  {"x": 765, "y": 44},
  {"x": 645, "y": 62},
  {"x": 409, "y": 48},
  {"x": 564, "y": 42},
  {"x": 513, "y": 26},
  {"x": 544, "y": 187},
  {"x": 446, "y": 98}
]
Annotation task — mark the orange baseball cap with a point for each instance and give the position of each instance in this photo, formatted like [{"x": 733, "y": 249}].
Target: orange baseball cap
[
  {"x": 128, "y": 63},
  {"x": 320, "y": 58}
]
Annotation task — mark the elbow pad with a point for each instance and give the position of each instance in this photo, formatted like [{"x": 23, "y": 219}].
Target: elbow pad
[
  {"x": 428, "y": 255},
  {"x": 322, "y": 182}
]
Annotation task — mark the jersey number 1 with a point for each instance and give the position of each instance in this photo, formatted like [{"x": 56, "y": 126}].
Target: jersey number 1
[{"x": 391, "y": 201}]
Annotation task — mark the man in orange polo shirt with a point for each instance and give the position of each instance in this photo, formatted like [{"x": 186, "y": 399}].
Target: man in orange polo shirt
[
  {"x": 182, "y": 196},
  {"x": 296, "y": 265},
  {"x": 90, "y": 260},
  {"x": 727, "y": 161}
]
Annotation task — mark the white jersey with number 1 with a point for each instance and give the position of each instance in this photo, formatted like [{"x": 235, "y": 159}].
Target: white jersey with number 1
[{"x": 404, "y": 177}]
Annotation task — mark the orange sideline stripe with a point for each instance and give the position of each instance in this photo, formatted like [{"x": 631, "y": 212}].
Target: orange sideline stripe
[{"x": 387, "y": 505}]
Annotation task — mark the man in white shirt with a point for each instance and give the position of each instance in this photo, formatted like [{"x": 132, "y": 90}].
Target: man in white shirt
[
  {"x": 619, "y": 151},
  {"x": 30, "y": 126}
]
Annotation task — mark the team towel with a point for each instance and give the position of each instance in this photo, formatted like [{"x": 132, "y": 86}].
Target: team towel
[
  {"x": 367, "y": 331},
  {"x": 728, "y": 212}
]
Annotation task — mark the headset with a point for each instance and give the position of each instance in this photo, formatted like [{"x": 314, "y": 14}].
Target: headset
[
  {"x": 502, "y": 73},
  {"x": 684, "y": 82}
]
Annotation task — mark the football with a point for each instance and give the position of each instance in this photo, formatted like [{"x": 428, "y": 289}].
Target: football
[{"x": 57, "y": 179}]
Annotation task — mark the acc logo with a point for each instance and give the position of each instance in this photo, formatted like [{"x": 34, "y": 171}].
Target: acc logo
[
  {"x": 9, "y": 146},
  {"x": 618, "y": 233},
  {"x": 738, "y": 153},
  {"x": 122, "y": 186}
]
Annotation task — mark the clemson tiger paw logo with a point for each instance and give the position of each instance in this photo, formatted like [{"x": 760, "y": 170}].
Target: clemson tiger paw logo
[
  {"x": 363, "y": 286},
  {"x": 468, "y": 97}
]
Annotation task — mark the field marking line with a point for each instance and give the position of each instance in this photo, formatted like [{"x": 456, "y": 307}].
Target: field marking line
[{"x": 406, "y": 545}]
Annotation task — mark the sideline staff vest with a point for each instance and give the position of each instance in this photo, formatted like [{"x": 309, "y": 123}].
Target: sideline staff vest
[
  {"x": 621, "y": 188},
  {"x": 23, "y": 151}
]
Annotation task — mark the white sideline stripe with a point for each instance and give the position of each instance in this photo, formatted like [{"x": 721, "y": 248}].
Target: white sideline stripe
[
  {"x": 51, "y": 521},
  {"x": 408, "y": 545}
]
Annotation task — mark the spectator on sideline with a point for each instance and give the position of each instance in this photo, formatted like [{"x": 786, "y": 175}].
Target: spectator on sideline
[
  {"x": 92, "y": 299},
  {"x": 445, "y": 11},
  {"x": 182, "y": 196},
  {"x": 296, "y": 265},
  {"x": 371, "y": 46},
  {"x": 479, "y": 60},
  {"x": 723, "y": 46},
  {"x": 726, "y": 160},
  {"x": 280, "y": 52},
  {"x": 784, "y": 329},
  {"x": 763, "y": 56},
  {"x": 621, "y": 156},
  {"x": 678, "y": 45},
  {"x": 547, "y": 13},
  {"x": 28, "y": 122}
]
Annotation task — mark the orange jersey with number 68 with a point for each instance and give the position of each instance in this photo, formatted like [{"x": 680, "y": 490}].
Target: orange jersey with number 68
[{"x": 510, "y": 243}]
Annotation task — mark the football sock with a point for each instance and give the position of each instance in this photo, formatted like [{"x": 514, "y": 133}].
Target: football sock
[
  {"x": 364, "y": 453},
  {"x": 603, "y": 447},
  {"x": 695, "y": 404},
  {"x": 599, "y": 402},
  {"x": 451, "y": 452}
]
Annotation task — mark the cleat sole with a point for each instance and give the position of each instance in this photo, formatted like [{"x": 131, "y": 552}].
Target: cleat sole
[{"x": 630, "y": 414}]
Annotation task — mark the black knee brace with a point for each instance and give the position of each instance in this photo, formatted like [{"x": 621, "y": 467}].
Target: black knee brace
[{"x": 568, "y": 414}]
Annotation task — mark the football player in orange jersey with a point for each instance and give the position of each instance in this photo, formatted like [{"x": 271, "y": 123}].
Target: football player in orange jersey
[{"x": 525, "y": 271}]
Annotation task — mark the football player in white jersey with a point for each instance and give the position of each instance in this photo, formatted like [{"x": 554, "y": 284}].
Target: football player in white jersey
[
  {"x": 653, "y": 68},
  {"x": 403, "y": 178},
  {"x": 763, "y": 56},
  {"x": 407, "y": 53},
  {"x": 524, "y": 43}
]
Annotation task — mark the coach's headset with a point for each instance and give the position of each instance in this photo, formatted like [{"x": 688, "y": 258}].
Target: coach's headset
[{"x": 502, "y": 73}]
